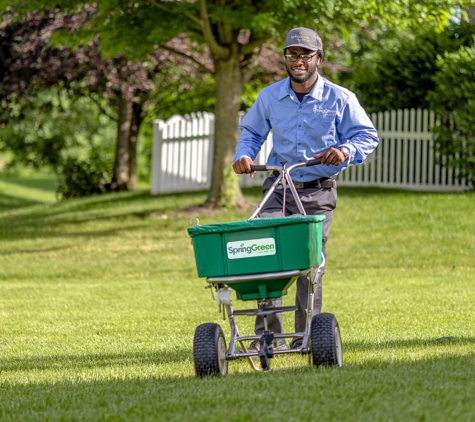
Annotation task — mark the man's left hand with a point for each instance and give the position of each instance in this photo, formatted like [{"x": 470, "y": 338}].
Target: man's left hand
[{"x": 332, "y": 156}]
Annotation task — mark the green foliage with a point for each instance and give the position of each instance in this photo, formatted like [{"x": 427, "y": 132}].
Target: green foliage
[
  {"x": 252, "y": 89},
  {"x": 184, "y": 93},
  {"x": 137, "y": 29},
  {"x": 399, "y": 73},
  {"x": 62, "y": 133},
  {"x": 83, "y": 177},
  {"x": 453, "y": 100}
]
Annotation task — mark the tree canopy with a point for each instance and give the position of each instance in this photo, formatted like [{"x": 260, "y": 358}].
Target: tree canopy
[
  {"x": 32, "y": 65},
  {"x": 226, "y": 37},
  {"x": 399, "y": 72}
]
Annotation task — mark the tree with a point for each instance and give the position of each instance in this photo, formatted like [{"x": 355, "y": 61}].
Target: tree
[
  {"x": 399, "y": 72},
  {"x": 234, "y": 33},
  {"x": 435, "y": 70},
  {"x": 30, "y": 65}
]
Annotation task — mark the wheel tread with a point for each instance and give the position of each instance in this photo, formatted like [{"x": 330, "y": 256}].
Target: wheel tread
[
  {"x": 205, "y": 349},
  {"x": 323, "y": 347}
]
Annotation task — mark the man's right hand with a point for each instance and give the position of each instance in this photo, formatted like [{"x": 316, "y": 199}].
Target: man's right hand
[{"x": 243, "y": 166}]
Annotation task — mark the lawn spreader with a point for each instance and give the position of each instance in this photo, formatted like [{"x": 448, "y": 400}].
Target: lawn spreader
[{"x": 259, "y": 259}]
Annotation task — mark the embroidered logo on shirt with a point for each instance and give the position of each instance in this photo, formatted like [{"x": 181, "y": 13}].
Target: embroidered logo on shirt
[{"x": 323, "y": 110}]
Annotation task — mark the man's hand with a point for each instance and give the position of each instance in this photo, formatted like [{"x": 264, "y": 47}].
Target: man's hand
[
  {"x": 243, "y": 166},
  {"x": 332, "y": 156}
]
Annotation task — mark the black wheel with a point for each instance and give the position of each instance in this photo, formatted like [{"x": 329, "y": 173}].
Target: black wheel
[
  {"x": 326, "y": 341},
  {"x": 209, "y": 350}
]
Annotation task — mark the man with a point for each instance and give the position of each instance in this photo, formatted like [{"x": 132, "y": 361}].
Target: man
[{"x": 310, "y": 118}]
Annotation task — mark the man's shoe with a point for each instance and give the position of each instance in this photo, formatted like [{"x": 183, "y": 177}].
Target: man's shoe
[
  {"x": 277, "y": 344},
  {"x": 254, "y": 346},
  {"x": 296, "y": 343}
]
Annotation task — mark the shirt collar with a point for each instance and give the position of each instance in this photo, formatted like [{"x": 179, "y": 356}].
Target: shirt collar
[{"x": 316, "y": 92}]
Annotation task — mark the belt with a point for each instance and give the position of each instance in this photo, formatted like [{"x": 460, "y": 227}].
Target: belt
[{"x": 322, "y": 183}]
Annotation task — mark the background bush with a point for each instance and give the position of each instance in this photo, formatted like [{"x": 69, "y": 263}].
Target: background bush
[
  {"x": 83, "y": 177},
  {"x": 454, "y": 102},
  {"x": 399, "y": 71}
]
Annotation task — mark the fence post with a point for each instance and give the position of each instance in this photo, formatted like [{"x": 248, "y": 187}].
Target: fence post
[{"x": 158, "y": 126}]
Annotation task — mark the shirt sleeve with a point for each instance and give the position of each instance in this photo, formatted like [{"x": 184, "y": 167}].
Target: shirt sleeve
[
  {"x": 356, "y": 131},
  {"x": 254, "y": 127}
]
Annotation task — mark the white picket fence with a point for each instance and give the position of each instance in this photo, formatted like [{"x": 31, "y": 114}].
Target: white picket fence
[
  {"x": 405, "y": 158},
  {"x": 182, "y": 154}
]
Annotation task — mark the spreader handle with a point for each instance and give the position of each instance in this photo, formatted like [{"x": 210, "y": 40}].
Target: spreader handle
[
  {"x": 258, "y": 167},
  {"x": 264, "y": 167},
  {"x": 313, "y": 162}
]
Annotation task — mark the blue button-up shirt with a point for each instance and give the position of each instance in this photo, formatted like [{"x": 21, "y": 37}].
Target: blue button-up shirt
[{"x": 328, "y": 116}]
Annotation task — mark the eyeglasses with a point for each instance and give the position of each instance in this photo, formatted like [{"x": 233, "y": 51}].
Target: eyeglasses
[{"x": 295, "y": 57}]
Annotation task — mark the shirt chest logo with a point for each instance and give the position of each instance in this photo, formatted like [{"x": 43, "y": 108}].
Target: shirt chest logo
[{"x": 324, "y": 111}]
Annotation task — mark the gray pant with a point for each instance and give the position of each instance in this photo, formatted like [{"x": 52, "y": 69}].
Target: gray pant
[{"x": 315, "y": 201}]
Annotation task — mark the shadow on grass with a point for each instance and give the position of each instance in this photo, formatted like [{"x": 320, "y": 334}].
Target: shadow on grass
[
  {"x": 99, "y": 360},
  {"x": 408, "y": 344},
  {"x": 184, "y": 356},
  {"x": 399, "y": 391},
  {"x": 49, "y": 221},
  {"x": 34, "y": 251},
  {"x": 123, "y": 211},
  {"x": 35, "y": 231},
  {"x": 9, "y": 202},
  {"x": 109, "y": 203},
  {"x": 373, "y": 192},
  {"x": 45, "y": 184}
]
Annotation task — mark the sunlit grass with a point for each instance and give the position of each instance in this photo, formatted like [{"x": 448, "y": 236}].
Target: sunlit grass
[{"x": 99, "y": 300}]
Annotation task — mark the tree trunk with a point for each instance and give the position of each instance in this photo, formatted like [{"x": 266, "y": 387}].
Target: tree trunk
[
  {"x": 137, "y": 118},
  {"x": 121, "y": 164},
  {"x": 225, "y": 190},
  {"x": 471, "y": 14}
]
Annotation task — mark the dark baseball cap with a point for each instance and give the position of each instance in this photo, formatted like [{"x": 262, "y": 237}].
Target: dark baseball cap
[{"x": 305, "y": 38}]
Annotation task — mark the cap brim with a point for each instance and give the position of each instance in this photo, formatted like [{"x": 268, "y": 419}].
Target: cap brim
[{"x": 301, "y": 45}]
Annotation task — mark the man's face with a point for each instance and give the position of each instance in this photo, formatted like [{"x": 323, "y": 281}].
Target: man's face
[{"x": 301, "y": 71}]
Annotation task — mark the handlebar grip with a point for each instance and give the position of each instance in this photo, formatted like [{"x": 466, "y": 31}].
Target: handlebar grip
[
  {"x": 313, "y": 162},
  {"x": 258, "y": 167}
]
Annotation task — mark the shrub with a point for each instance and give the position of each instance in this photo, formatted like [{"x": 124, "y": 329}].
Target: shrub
[
  {"x": 399, "y": 72},
  {"x": 453, "y": 100},
  {"x": 82, "y": 177}
]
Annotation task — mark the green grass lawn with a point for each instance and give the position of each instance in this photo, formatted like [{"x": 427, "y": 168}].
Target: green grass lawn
[{"x": 99, "y": 300}]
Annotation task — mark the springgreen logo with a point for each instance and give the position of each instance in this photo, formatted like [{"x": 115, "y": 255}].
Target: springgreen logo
[{"x": 251, "y": 248}]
